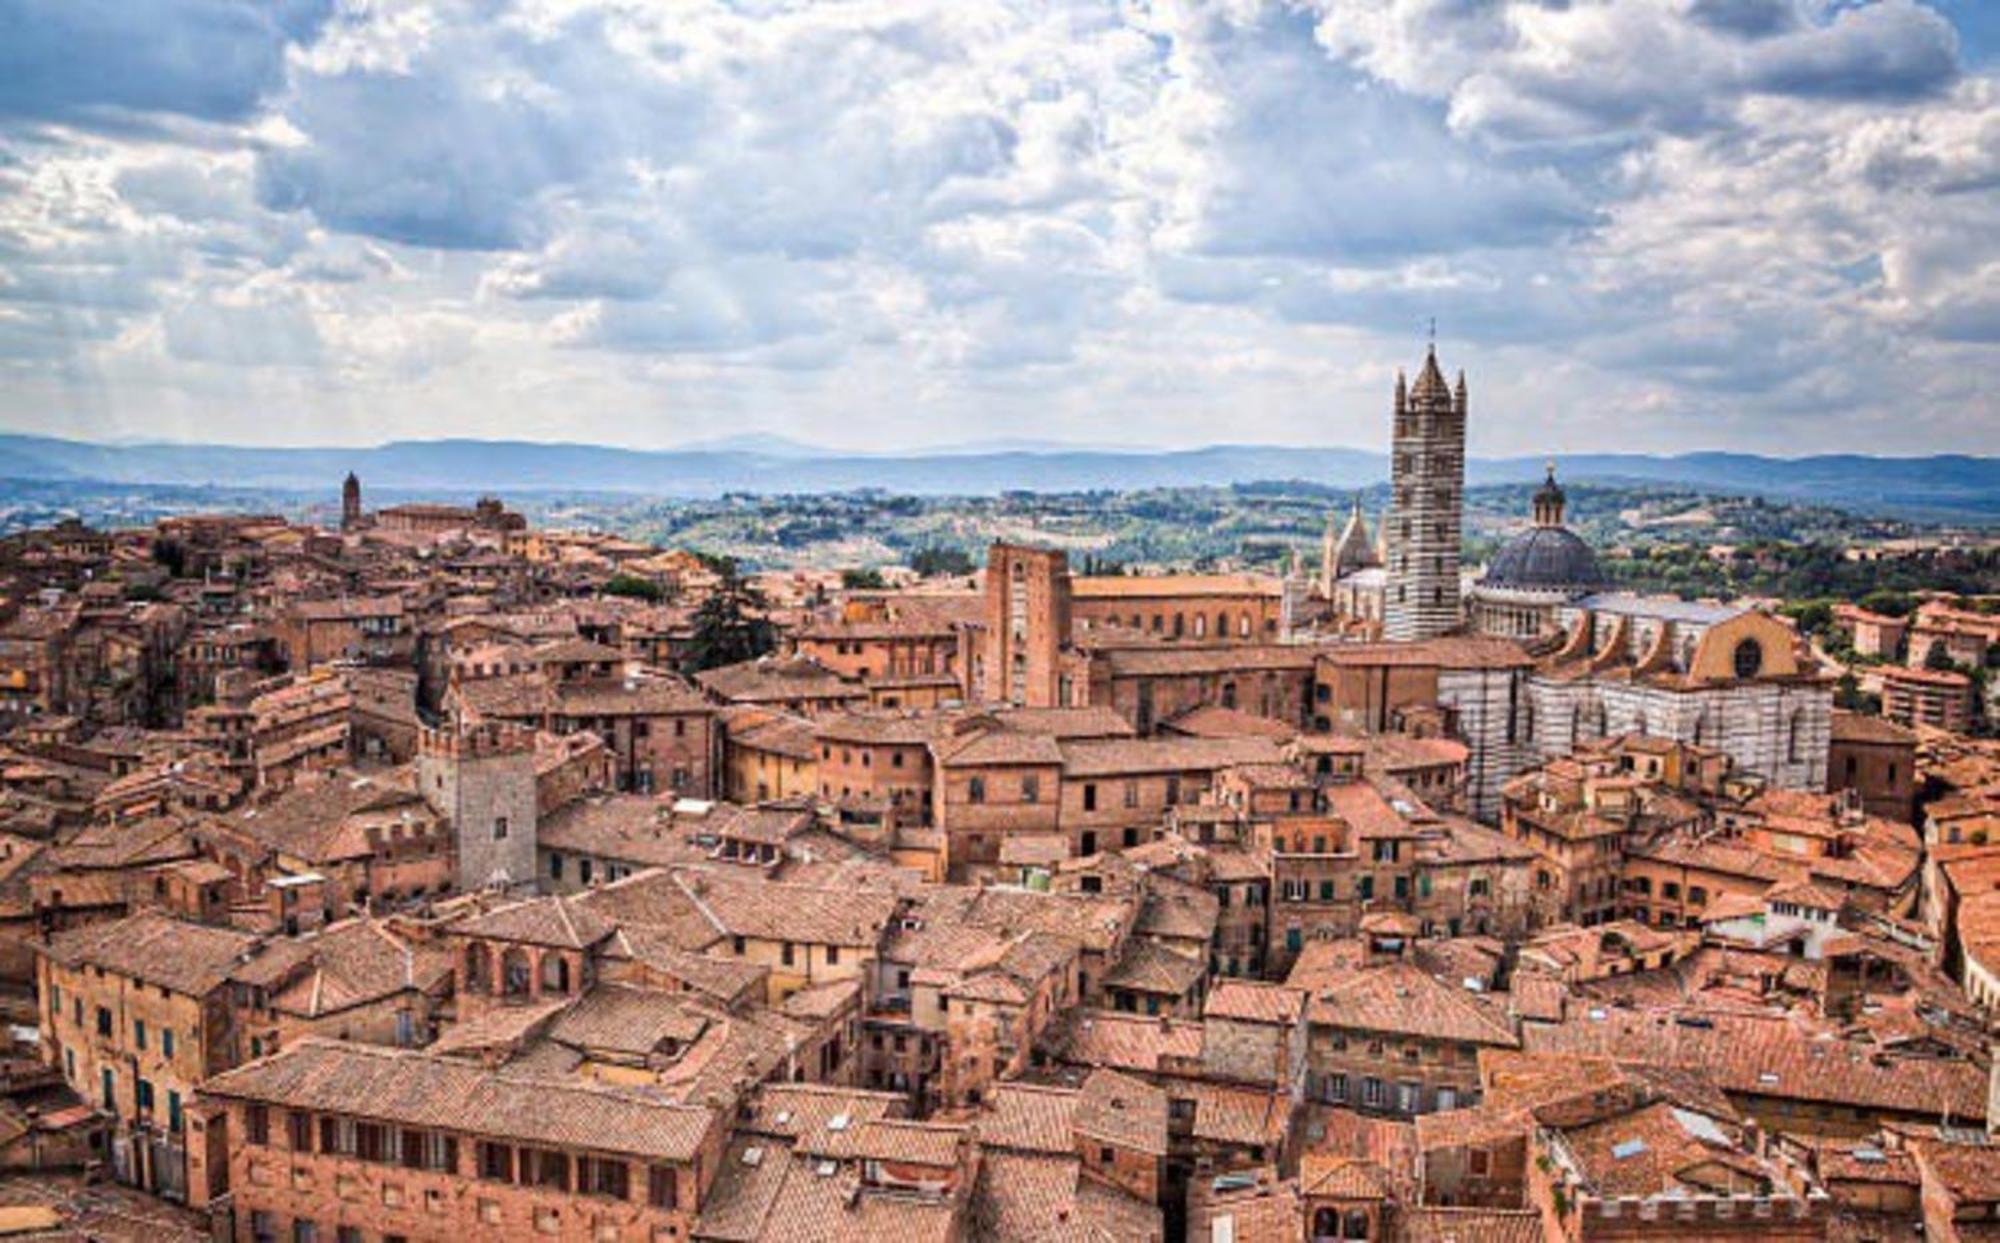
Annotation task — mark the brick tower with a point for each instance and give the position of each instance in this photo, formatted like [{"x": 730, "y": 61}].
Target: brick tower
[
  {"x": 350, "y": 503},
  {"x": 1027, "y": 624},
  {"x": 1427, "y": 471}
]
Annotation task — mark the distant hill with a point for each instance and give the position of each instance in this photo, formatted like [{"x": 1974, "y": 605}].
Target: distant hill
[{"x": 1948, "y": 485}]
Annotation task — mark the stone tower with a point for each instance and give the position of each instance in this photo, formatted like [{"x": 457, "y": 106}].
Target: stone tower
[
  {"x": 482, "y": 778},
  {"x": 1426, "y": 506},
  {"x": 350, "y": 503}
]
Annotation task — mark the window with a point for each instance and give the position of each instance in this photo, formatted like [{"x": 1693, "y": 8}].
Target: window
[
  {"x": 1031, "y": 788},
  {"x": 833, "y": 955},
  {"x": 174, "y": 1111},
  {"x": 1326, "y": 891},
  {"x": 787, "y": 954},
  {"x": 499, "y": 828},
  {"x": 1089, "y": 796},
  {"x": 257, "y": 1124},
  {"x": 975, "y": 790},
  {"x": 103, "y": 1021},
  {"x": 139, "y": 1033},
  {"x": 298, "y": 1130},
  {"x": 496, "y": 1162},
  {"x": 662, "y": 1187},
  {"x": 166, "y": 1042},
  {"x": 602, "y": 1176},
  {"x": 555, "y": 866},
  {"x": 336, "y": 1135}
]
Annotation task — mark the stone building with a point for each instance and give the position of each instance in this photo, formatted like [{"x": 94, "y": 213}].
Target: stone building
[
  {"x": 331, "y": 1140},
  {"x": 135, "y": 1014},
  {"x": 1427, "y": 478},
  {"x": 1939, "y": 698},
  {"x": 1726, "y": 676},
  {"x": 1877, "y": 758},
  {"x": 1387, "y": 1037},
  {"x": 1536, "y": 573},
  {"x": 1351, "y": 552},
  {"x": 481, "y": 778}
]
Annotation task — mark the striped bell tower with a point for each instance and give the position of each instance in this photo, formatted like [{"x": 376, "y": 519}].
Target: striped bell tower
[{"x": 1426, "y": 506}]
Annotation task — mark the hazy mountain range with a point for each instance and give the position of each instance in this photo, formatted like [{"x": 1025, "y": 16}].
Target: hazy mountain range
[{"x": 1941, "y": 485}]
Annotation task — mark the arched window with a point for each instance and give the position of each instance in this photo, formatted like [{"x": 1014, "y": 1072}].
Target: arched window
[
  {"x": 555, "y": 974},
  {"x": 1326, "y": 1223},
  {"x": 1793, "y": 729},
  {"x": 478, "y": 968},
  {"x": 1357, "y": 1224},
  {"x": 1748, "y": 658},
  {"x": 516, "y": 976}
]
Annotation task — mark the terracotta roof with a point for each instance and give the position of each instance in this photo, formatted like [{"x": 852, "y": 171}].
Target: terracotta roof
[
  {"x": 778, "y": 911},
  {"x": 1770, "y": 1057},
  {"x": 1433, "y": 1224},
  {"x": 411, "y": 1088},
  {"x": 820, "y": 1120},
  {"x": 154, "y": 948},
  {"x": 1148, "y": 967},
  {"x": 1128, "y": 1042},
  {"x": 556, "y": 921},
  {"x": 1029, "y": 1118},
  {"x": 1114, "y": 757},
  {"x": 1399, "y": 999},
  {"x": 1254, "y": 1002},
  {"x": 1121, "y": 1110},
  {"x": 637, "y": 1022}
]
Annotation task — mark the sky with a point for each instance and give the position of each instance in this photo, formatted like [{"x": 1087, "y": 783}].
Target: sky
[{"x": 1650, "y": 225}]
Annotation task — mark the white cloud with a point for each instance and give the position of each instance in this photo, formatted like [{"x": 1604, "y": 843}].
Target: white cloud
[{"x": 1655, "y": 223}]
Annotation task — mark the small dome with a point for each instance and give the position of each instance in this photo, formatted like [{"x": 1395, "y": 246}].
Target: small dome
[{"x": 1542, "y": 558}]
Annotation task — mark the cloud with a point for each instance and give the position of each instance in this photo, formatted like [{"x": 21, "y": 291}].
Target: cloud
[
  {"x": 80, "y": 61},
  {"x": 278, "y": 333},
  {"x": 1638, "y": 223}
]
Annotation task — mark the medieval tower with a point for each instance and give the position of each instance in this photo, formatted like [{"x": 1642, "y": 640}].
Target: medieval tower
[
  {"x": 1426, "y": 507},
  {"x": 482, "y": 778},
  {"x": 350, "y": 503}
]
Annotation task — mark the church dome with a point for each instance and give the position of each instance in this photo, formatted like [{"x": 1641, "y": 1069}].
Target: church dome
[{"x": 1544, "y": 558}]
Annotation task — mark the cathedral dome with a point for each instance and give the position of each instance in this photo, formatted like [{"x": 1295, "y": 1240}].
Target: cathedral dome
[{"x": 1544, "y": 558}]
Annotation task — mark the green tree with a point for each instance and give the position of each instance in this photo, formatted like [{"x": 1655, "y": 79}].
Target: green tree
[
  {"x": 634, "y": 587},
  {"x": 862, "y": 580},
  {"x": 930, "y": 562},
  {"x": 1938, "y": 659},
  {"x": 730, "y": 626},
  {"x": 1888, "y": 603},
  {"x": 1813, "y": 616}
]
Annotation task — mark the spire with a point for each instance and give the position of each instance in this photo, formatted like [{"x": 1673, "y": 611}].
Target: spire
[
  {"x": 1430, "y": 383},
  {"x": 1402, "y": 390}
]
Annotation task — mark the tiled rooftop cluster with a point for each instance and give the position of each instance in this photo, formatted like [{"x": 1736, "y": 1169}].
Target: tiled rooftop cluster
[{"x": 400, "y": 881}]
